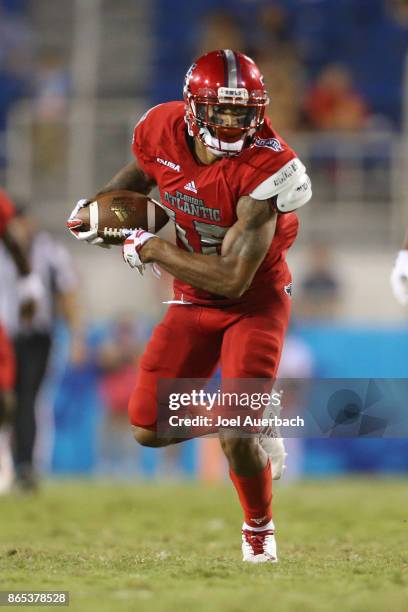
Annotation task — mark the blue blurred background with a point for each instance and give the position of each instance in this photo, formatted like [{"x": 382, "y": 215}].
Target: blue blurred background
[{"x": 76, "y": 76}]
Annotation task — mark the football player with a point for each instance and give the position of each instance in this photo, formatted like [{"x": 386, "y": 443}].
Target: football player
[
  {"x": 231, "y": 185},
  {"x": 399, "y": 275}
]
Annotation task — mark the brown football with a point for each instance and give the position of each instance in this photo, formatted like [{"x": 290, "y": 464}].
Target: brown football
[{"x": 116, "y": 213}]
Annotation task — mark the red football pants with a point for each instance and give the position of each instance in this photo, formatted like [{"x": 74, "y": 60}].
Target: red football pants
[
  {"x": 192, "y": 339},
  {"x": 7, "y": 362}
]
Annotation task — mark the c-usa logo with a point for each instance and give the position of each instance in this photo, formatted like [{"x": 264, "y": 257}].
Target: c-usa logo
[{"x": 270, "y": 143}]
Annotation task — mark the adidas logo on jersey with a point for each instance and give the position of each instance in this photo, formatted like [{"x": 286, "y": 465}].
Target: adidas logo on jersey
[{"x": 191, "y": 187}]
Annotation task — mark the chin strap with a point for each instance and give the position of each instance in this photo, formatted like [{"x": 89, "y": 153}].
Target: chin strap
[{"x": 213, "y": 143}]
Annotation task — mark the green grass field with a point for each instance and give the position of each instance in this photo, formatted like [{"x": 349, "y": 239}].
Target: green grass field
[{"x": 177, "y": 547}]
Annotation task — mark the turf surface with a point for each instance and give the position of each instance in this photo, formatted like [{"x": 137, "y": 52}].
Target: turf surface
[{"x": 176, "y": 547}]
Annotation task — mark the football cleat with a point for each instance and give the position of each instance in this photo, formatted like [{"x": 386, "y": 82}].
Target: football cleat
[
  {"x": 259, "y": 546},
  {"x": 271, "y": 441}
]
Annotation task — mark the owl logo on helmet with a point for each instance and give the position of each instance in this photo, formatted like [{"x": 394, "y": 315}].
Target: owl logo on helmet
[{"x": 225, "y": 100}]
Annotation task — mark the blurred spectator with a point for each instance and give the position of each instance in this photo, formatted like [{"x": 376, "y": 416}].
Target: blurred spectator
[
  {"x": 32, "y": 340},
  {"x": 333, "y": 104},
  {"x": 272, "y": 49},
  {"x": 118, "y": 359},
  {"x": 284, "y": 81},
  {"x": 276, "y": 54},
  {"x": 51, "y": 97},
  {"x": 399, "y": 11},
  {"x": 221, "y": 31},
  {"x": 274, "y": 28},
  {"x": 51, "y": 86},
  {"x": 76, "y": 405},
  {"x": 15, "y": 44},
  {"x": 319, "y": 296},
  {"x": 15, "y": 61}
]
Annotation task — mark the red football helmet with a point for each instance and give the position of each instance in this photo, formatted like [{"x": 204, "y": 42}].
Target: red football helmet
[{"x": 225, "y": 101}]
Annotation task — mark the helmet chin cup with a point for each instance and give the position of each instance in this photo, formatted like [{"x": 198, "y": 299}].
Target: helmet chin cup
[{"x": 219, "y": 147}]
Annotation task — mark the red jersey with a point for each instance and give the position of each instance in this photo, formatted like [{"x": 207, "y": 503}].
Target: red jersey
[
  {"x": 7, "y": 211},
  {"x": 202, "y": 199}
]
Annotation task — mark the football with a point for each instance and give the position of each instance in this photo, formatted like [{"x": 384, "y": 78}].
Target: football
[{"x": 117, "y": 213}]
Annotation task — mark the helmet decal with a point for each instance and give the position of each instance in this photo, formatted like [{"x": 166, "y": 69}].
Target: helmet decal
[{"x": 231, "y": 68}]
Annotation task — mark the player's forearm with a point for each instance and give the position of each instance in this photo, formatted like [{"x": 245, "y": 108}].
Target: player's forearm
[
  {"x": 221, "y": 275},
  {"x": 131, "y": 178}
]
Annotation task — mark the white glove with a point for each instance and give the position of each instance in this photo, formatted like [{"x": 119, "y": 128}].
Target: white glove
[
  {"x": 132, "y": 246},
  {"x": 91, "y": 236},
  {"x": 399, "y": 278},
  {"x": 30, "y": 287}
]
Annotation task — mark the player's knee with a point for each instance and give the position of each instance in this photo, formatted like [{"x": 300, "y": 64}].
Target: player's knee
[
  {"x": 146, "y": 437},
  {"x": 238, "y": 447}
]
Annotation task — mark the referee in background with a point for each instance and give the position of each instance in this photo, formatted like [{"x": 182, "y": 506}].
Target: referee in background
[
  {"x": 32, "y": 340},
  {"x": 29, "y": 289}
]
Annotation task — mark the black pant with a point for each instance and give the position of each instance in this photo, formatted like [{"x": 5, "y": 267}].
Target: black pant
[{"x": 32, "y": 351}]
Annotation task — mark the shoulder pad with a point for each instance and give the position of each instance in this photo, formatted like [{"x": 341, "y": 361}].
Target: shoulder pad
[{"x": 280, "y": 180}]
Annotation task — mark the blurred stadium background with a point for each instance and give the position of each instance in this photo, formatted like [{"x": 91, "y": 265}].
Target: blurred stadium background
[{"x": 75, "y": 77}]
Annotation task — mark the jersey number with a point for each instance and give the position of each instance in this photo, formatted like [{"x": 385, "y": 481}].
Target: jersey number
[{"x": 211, "y": 236}]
